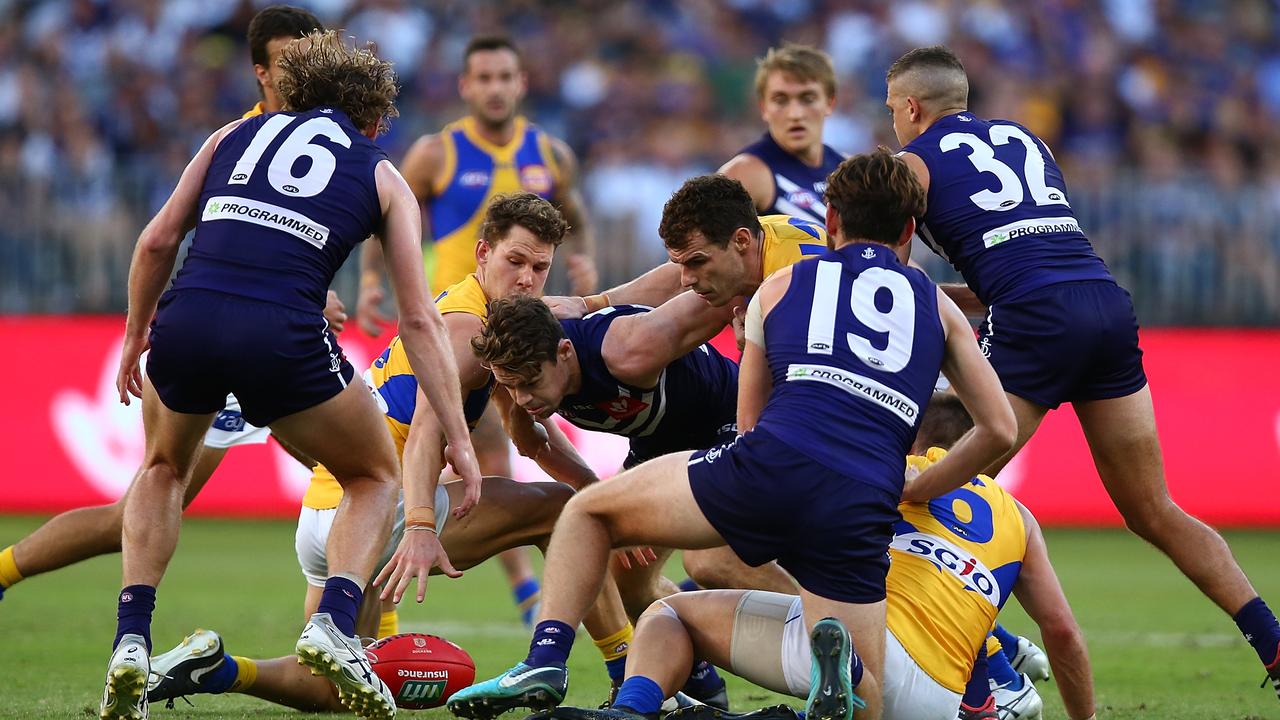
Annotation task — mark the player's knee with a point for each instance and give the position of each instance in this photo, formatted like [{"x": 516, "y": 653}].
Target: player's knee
[
  {"x": 703, "y": 568},
  {"x": 1155, "y": 520}
]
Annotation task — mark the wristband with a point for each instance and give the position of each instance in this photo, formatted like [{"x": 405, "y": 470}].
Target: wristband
[
  {"x": 596, "y": 302},
  {"x": 422, "y": 517}
]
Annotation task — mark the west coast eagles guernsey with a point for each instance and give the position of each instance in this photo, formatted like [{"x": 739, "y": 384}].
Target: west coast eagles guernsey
[
  {"x": 955, "y": 560},
  {"x": 394, "y": 386}
]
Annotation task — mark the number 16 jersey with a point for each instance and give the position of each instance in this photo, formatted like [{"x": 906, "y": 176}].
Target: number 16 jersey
[
  {"x": 286, "y": 198},
  {"x": 998, "y": 209}
]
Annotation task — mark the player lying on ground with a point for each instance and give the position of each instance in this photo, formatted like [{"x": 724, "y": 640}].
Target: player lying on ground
[
  {"x": 849, "y": 404},
  {"x": 954, "y": 563},
  {"x": 1058, "y": 328},
  {"x": 88, "y": 532},
  {"x": 514, "y": 253},
  {"x": 245, "y": 317}
]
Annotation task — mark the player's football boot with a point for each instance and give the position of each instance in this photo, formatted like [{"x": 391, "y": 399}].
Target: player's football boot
[
  {"x": 125, "y": 694},
  {"x": 565, "y": 712},
  {"x": 719, "y": 698},
  {"x": 1030, "y": 660},
  {"x": 182, "y": 670},
  {"x": 341, "y": 659},
  {"x": 831, "y": 695},
  {"x": 1273, "y": 673},
  {"x": 707, "y": 712},
  {"x": 986, "y": 712},
  {"x": 1021, "y": 704},
  {"x": 541, "y": 688}
]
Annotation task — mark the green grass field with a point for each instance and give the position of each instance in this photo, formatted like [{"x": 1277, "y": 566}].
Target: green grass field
[{"x": 1160, "y": 650}]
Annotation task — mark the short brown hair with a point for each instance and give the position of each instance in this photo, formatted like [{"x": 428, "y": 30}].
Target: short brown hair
[
  {"x": 489, "y": 43},
  {"x": 942, "y": 80},
  {"x": 323, "y": 71},
  {"x": 803, "y": 62},
  {"x": 526, "y": 210},
  {"x": 944, "y": 422},
  {"x": 278, "y": 21},
  {"x": 518, "y": 336},
  {"x": 713, "y": 205},
  {"x": 875, "y": 194}
]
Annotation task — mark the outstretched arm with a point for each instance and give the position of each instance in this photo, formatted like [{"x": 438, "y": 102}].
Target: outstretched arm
[
  {"x": 652, "y": 288},
  {"x": 639, "y": 347},
  {"x": 581, "y": 243},
  {"x": 543, "y": 442}
]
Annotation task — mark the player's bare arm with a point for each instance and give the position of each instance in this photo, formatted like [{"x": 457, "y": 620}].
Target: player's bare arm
[
  {"x": 542, "y": 441},
  {"x": 153, "y": 260},
  {"x": 421, "y": 328},
  {"x": 754, "y": 175},
  {"x": 637, "y": 348},
  {"x": 1041, "y": 595},
  {"x": 959, "y": 293},
  {"x": 754, "y": 381},
  {"x": 581, "y": 242},
  {"x": 994, "y": 426},
  {"x": 652, "y": 288}
]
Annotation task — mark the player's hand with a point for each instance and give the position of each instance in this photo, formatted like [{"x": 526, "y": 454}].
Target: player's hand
[
  {"x": 463, "y": 459},
  {"x": 739, "y": 323},
  {"x": 566, "y": 307},
  {"x": 129, "y": 376},
  {"x": 583, "y": 277},
  {"x": 369, "y": 315},
  {"x": 636, "y": 557},
  {"x": 335, "y": 312},
  {"x": 418, "y": 552}
]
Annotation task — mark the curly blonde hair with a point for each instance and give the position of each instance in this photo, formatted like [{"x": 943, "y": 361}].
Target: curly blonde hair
[{"x": 320, "y": 70}]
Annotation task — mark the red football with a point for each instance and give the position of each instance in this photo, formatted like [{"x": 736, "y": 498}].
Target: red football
[{"x": 421, "y": 670}]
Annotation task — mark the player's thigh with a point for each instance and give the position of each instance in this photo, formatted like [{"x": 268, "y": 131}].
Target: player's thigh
[
  {"x": 650, "y": 504},
  {"x": 509, "y": 514},
  {"x": 346, "y": 433},
  {"x": 639, "y": 585},
  {"x": 865, "y": 622},
  {"x": 206, "y": 463},
  {"x": 709, "y": 617},
  {"x": 1029, "y": 415},
  {"x": 172, "y": 438},
  {"x": 1121, "y": 433}
]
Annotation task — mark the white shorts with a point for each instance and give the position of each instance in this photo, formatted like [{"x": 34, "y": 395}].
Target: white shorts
[
  {"x": 769, "y": 627},
  {"x": 229, "y": 428},
  {"x": 312, "y": 537}
]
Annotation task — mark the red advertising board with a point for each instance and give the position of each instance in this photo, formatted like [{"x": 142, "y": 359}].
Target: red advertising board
[{"x": 66, "y": 441}]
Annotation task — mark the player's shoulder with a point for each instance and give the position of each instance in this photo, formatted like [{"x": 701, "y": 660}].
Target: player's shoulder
[
  {"x": 794, "y": 229},
  {"x": 465, "y": 297},
  {"x": 755, "y": 175}
]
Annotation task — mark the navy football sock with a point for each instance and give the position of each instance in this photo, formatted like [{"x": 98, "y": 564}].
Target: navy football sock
[
  {"x": 1259, "y": 626},
  {"x": 552, "y": 641},
  {"x": 222, "y": 677},
  {"x": 1008, "y": 641},
  {"x": 688, "y": 585},
  {"x": 526, "y": 595},
  {"x": 1002, "y": 672},
  {"x": 703, "y": 680},
  {"x": 640, "y": 694},
  {"x": 978, "y": 689},
  {"x": 341, "y": 599},
  {"x": 133, "y": 613},
  {"x": 617, "y": 668}
]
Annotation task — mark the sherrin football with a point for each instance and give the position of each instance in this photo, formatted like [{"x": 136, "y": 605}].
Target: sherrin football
[{"x": 421, "y": 670}]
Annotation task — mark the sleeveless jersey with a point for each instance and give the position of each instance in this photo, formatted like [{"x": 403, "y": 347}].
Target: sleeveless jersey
[
  {"x": 954, "y": 562},
  {"x": 286, "y": 198},
  {"x": 694, "y": 401},
  {"x": 788, "y": 240},
  {"x": 474, "y": 171},
  {"x": 854, "y": 347},
  {"x": 798, "y": 189},
  {"x": 395, "y": 388},
  {"x": 998, "y": 209}
]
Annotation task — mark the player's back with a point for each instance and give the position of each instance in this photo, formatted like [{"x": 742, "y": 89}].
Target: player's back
[
  {"x": 798, "y": 188},
  {"x": 955, "y": 561},
  {"x": 998, "y": 208},
  {"x": 854, "y": 348},
  {"x": 788, "y": 240},
  {"x": 286, "y": 197},
  {"x": 692, "y": 407}
]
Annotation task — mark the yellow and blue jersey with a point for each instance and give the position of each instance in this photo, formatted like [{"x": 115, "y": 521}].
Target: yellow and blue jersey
[
  {"x": 475, "y": 170},
  {"x": 392, "y": 382},
  {"x": 788, "y": 240},
  {"x": 955, "y": 560},
  {"x": 254, "y": 111}
]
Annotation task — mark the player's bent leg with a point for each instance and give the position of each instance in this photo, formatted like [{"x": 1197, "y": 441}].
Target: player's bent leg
[
  {"x": 1029, "y": 415},
  {"x": 721, "y": 568},
  {"x": 493, "y": 454},
  {"x": 640, "y": 585},
  {"x": 859, "y": 628},
  {"x": 510, "y": 514}
]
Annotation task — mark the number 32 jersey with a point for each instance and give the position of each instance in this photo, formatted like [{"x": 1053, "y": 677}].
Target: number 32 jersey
[
  {"x": 286, "y": 198},
  {"x": 998, "y": 209},
  {"x": 854, "y": 349}
]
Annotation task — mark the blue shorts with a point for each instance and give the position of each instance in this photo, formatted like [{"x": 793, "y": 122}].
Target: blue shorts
[
  {"x": 1067, "y": 342},
  {"x": 646, "y": 448},
  {"x": 277, "y": 360},
  {"x": 769, "y": 501}
]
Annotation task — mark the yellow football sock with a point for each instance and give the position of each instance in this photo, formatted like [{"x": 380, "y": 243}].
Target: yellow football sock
[
  {"x": 389, "y": 624},
  {"x": 9, "y": 574},
  {"x": 993, "y": 645},
  {"x": 615, "y": 646},
  {"x": 246, "y": 674}
]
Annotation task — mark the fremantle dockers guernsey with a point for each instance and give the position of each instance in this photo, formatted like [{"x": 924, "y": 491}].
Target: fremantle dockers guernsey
[{"x": 798, "y": 189}]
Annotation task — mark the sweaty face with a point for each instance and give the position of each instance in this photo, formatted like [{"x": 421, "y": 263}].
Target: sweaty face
[
  {"x": 795, "y": 111},
  {"x": 900, "y": 109},
  {"x": 492, "y": 85},
  {"x": 516, "y": 264},
  {"x": 717, "y": 274},
  {"x": 540, "y": 396}
]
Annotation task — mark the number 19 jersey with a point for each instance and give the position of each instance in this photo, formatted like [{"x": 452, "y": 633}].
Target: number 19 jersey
[
  {"x": 854, "y": 349},
  {"x": 998, "y": 209},
  {"x": 286, "y": 198}
]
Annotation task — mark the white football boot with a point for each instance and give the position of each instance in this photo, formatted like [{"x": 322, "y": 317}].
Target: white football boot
[
  {"x": 330, "y": 654},
  {"x": 125, "y": 694},
  {"x": 1031, "y": 660},
  {"x": 183, "y": 670},
  {"x": 1022, "y": 704}
]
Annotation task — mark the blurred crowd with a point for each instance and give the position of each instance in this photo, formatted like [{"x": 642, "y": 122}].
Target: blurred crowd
[{"x": 1163, "y": 114}]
